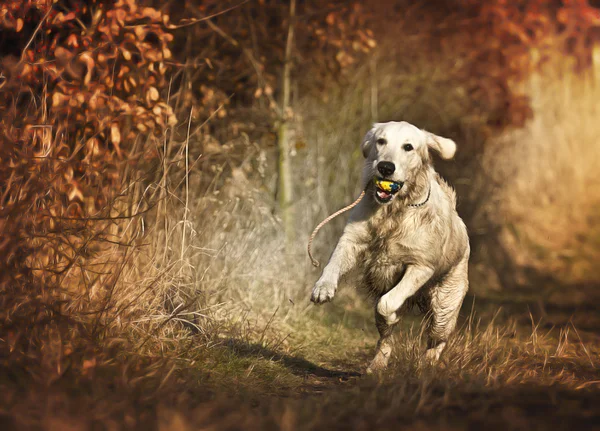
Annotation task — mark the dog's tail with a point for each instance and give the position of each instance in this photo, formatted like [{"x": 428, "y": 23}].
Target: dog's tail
[{"x": 327, "y": 220}]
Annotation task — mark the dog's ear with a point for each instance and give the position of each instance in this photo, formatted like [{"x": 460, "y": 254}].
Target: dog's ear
[
  {"x": 443, "y": 146},
  {"x": 368, "y": 141}
]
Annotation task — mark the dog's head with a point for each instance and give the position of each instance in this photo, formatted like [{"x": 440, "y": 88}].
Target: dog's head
[{"x": 396, "y": 152}]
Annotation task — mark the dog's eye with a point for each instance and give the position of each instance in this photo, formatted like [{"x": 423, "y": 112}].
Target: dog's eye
[
  {"x": 381, "y": 141},
  {"x": 407, "y": 147}
]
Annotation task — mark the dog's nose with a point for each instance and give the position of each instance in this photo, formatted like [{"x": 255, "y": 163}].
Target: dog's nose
[{"x": 386, "y": 168}]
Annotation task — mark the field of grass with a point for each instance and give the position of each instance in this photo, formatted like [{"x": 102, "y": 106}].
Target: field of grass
[{"x": 504, "y": 369}]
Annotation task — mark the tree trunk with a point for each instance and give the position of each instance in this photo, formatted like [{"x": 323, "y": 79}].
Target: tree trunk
[{"x": 285, "y": 189}]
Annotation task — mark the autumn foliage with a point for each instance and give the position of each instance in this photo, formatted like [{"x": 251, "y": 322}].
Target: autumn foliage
[
  {"x": 87, "y": 85},
  {"x": 81, "y": 98}
]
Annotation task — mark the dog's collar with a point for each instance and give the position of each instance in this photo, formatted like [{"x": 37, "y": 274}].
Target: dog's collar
[{"x": 424, "y": 202}]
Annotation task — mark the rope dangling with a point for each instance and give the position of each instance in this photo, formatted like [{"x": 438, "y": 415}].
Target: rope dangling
[{"x": 327, "y": 220}]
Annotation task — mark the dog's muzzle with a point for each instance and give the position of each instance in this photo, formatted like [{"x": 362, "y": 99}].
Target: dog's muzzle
[{"x": 386, "y": 189}]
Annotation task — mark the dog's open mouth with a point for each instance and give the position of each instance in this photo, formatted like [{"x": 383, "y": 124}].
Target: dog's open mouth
[{"x": 386, "y": 189}]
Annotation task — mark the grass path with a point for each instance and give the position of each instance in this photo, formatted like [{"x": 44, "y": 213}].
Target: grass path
[{"x": 497, "y": 373}]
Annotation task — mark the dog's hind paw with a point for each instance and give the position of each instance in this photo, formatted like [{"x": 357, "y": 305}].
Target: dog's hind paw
[
  {"x": 323, "y": 291},
  {"x": 381, "y": 359}
]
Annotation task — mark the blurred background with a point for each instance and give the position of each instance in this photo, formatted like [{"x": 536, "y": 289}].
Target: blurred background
[{"x": 162, "y": 164}]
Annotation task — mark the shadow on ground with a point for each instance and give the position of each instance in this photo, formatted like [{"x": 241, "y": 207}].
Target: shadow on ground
[{"x": 295, "y": 364}]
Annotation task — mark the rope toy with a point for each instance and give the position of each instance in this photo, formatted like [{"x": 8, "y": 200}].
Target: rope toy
[
  {"x": 387, "y": 186},
  {"x": 327, "y": 220}
]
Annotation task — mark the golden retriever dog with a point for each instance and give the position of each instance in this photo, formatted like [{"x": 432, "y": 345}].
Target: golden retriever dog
[{"x": 405, "y": 236}]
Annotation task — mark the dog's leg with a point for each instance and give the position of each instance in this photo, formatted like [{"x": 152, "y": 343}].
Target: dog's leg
[
  {"x": 446, "y": 300},
  {"x": 384, "y": 345},
  {"x": 387, "y": 312},
  {"x": 342, "y": 260},
  {"x": 414, "y": 278}
]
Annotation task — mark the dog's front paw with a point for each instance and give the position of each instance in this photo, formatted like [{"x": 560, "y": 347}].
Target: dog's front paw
[
  {"x": 388, "y": 310},
  {"x": 323, "y": 292}
]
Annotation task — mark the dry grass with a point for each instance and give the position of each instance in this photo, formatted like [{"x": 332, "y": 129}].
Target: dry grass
[
  {"x": 548, "y": 195},
  {"x": 493, "y": 375},
  {"x": 487, "y": 372},
  {"x": 496, "y": 373}
]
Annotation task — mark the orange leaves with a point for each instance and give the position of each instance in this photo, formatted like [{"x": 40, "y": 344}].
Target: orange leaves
[
  {"x": 73, "y": 41},
  {"x": 87, "y": 59},
  {"x": 367, "y": 38},
  {"x": 152, "y": 14},
  {"x": 75, "y": 192},
  {"x": 88, "y": 365},
  {"x": 93, "y": 149},
  {"x": 10, "y": 19},
  {"x": 152, "y": 96},
  {"x": 59, "y": 99},
  {"x": 344, "y": 59},
  {"x": 115, "y": 137},
  {"x": 99, "y": 73},
  {"x": 345, "y": 30},
  {"x": 60, "y": 18},
  {"x": 63, "y": 56},
  {"x": 579, "y": 13},
  {"x": 330, "y": 19},
  {"x": 568, "y": 25}
]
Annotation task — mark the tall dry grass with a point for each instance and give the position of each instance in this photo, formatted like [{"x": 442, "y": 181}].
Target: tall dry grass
[
  {"x": 492, "y": 376},
  {"x": 548, "y": 194},
  {"x": 210, "y": 263}
]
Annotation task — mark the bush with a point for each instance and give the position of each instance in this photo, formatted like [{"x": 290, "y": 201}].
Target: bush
[{"x": 79, "y": 110}]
